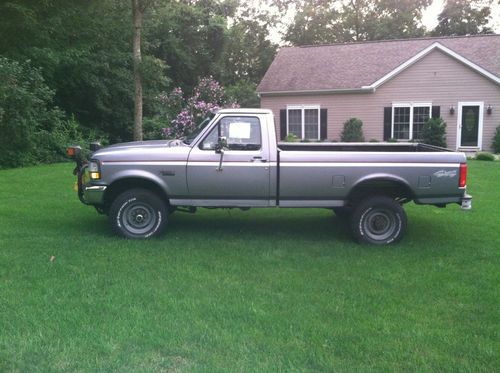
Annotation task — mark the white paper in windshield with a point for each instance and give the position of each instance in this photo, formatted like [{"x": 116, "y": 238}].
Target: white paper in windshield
[{"x": 239, "y": 130}]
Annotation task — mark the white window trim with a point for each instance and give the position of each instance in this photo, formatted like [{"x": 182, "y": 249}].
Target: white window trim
[
  {"x": 303, "y": 108},
  {"x": 480, "y": 125},
  {"x": 411, "y": 105}
]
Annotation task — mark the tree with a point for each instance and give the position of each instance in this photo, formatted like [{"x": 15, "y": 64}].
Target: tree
[
  {"x": 189, "y": 37},
  {"x": 83, "y": 56},
  {"x": 32, "y": 129},
  {"x": 356, "y": 20},
  {"x": 137, "y": 15},
  {"x": 463, "y": 17},
  {"x": 315, "y": 22}
]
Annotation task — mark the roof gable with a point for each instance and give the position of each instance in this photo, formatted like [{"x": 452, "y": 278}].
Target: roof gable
[{"x": 359, "y": 67}]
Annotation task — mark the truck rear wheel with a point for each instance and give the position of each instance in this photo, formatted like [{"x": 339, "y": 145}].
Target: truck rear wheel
[
  {"x": 378, "y": 220},
  {"x": 138, "y": 213}
]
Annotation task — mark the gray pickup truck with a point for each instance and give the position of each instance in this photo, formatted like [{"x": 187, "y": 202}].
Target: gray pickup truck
[{"x": 234, "y": 161}]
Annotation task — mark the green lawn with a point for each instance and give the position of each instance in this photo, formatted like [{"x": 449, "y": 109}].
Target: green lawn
[{"x": 262, "y": 290}]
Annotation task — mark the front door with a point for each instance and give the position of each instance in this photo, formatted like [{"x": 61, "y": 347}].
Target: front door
[
  {"x": 243, "y": 177},
  {"x": 470, "y": 118}
]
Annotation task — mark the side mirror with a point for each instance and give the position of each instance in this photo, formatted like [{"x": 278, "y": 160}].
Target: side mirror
[
  {"x": 219, "y": 149},
  {"x": 221, "y": 145}
]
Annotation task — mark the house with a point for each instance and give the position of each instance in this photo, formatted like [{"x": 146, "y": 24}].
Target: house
[{"x": 393, "y": 86}]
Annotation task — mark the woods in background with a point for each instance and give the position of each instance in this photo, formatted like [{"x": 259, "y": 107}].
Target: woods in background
[{"x": 67, "y": 67}]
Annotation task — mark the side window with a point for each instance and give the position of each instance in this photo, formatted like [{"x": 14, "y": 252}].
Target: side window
[{"x": 241, "y": 133}]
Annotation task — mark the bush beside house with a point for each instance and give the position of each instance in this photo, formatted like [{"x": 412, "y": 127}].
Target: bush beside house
[
  {"x": 496, "y": 141},
  {"x": 434, "y": 132},
  {"x": 353, "y": 131}
]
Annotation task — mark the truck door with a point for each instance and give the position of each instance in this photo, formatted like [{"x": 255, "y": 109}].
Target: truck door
[{"x": 243, "y": 176}]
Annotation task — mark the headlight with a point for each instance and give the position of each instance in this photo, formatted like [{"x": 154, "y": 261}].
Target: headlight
[{"x": 94, "y": 170}]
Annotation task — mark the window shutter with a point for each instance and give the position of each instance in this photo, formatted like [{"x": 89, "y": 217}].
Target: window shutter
[
  {"x": 436, "y": 111},
  {"x": 323, "y": 129},
  {"x": 283, "y": 124},
  {"x": 387, "y": 122}
]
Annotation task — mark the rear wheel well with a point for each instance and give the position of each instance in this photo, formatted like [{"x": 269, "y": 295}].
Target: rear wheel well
[
  {"x": 381, "y": 187},
  {"x": 122, "y": 185}
]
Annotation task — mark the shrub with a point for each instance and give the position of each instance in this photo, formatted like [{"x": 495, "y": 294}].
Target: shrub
[
  {"x": 434, "y": 132},
  {"x": 496, "y": 141},
  {"x": 152, "y": 128},
  {"x": 353, "y": 131},
  {"x": 291, "y": 138},
  {"x": 208, "y": 97},
  {"x": 373, "y": 140},
  {"x": 32, "y": 129},
  {"x": 392, "y": 139},
  {"x": 485, "y": 156}
]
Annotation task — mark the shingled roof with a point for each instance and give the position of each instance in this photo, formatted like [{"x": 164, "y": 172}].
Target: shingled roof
[{"x": 353, "y": 66}]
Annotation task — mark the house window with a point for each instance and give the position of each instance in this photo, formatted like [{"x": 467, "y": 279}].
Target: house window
[
  {"x": 303, "y": 122},
  {"x": 408, "y": 120}
]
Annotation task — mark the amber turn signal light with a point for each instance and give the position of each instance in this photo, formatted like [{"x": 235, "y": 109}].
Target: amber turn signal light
[{"x": 73, "y": 151}]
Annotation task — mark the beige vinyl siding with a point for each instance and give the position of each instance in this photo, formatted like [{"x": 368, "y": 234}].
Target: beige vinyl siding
[{"x": 436, "y": 78}]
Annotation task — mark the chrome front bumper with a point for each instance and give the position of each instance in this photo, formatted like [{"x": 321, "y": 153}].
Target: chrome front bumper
[{"x": 94, "y": 195}]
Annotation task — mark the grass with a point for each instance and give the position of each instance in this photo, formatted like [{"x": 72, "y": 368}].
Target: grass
[{"x": 262, "y": 290}]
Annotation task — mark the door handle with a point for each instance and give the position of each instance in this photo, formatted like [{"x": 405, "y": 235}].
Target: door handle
[{"x": 258, "y": 158}]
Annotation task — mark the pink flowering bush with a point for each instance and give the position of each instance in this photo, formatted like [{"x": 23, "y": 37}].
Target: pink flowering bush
[{"x": 208, "y": 97}]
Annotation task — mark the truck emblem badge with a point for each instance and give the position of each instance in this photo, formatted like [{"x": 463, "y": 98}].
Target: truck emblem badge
[{"x": 443, "y": 173}]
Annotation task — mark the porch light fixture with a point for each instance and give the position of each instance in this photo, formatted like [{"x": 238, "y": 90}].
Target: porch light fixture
[
  {"x": 452, "y": 110},
  {"x": 489, "y": 109}
]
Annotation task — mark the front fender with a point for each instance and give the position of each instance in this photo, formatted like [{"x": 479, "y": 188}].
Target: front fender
[{"x": 135, "y": 173}]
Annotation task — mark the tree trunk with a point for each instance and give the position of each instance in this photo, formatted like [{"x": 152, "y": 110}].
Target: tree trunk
[{"x": 137, "y": 12}]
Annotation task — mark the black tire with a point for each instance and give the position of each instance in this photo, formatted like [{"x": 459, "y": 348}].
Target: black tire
[
  {"x": 138, "y": 213},
  {"x": 378, "y": 220}
]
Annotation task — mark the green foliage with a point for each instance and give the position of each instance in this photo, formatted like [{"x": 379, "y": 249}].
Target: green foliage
[
  {"x": 353, "y": 131},
  {"x": 247, "y": 50},
  {"x": 496, "y": 141},
  {"x": 244, "y": 92},
  {"x": 85, "y": 53},
  {"x": 189, "y": 37},
  {"x": 434, "y": 132},
  {"x": 485, "y": 156},
  {"x": 326, "y": 22},
  {"x": 373, "y": 140},
  {"x": 464, "y": 17},
  {"x": 32, "y": 130},
  {"x": 153, "y": 128},
  {"x": 291, "y": 137},
  {"x": 392, "y": 139}
]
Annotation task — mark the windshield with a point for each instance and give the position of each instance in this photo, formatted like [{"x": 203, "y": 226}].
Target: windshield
[{"x": 189, "y": 138}]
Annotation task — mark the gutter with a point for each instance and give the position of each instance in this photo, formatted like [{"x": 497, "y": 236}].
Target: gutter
[{"x": 364, "y": 89}]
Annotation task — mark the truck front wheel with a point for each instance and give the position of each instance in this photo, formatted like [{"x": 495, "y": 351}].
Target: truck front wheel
[
  {"x": 378, "y": 220},
  {"x": 138, "y": 213}
]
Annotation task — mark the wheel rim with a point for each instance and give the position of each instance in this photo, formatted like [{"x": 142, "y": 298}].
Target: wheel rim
[
  {"x": 379, "y": 224},
  {"x": 139, "y": 218}
]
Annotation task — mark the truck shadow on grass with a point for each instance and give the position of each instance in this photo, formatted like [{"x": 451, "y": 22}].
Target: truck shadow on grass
[
  {"x": 259, "y": 225},
  {"x": 229, "y": 225}
]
